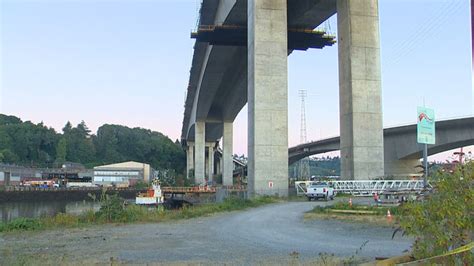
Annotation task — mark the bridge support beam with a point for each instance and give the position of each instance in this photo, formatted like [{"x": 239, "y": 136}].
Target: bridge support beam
[
  {"x": 210, "y": 160},
  {"x": 267, "y": 97},
  {"x": 189, "y": 158},
  {"x": 362, "y": 153},
  {"x": 200, "y": 149},
  {"x": 227, "y": 153},
  {"x": 218, "y": 165}
]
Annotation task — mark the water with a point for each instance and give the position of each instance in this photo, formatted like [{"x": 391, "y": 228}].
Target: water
[{"x": 12, "y": 210}]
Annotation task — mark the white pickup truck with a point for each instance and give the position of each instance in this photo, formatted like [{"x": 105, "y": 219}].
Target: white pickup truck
[{"x": 319, "y": 190}]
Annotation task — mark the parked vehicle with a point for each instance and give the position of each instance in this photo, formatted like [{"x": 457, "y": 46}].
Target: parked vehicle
[
  {"x": 38, "y": 183},
  {"x": 79, "y": 184},
  {"x": 320, "y": 190}
]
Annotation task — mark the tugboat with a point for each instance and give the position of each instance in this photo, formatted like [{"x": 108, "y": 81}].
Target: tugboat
[{"x": 152, "y": 196}]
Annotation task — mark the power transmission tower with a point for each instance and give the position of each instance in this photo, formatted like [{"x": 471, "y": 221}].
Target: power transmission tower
[{"x": 304, "y": 163}]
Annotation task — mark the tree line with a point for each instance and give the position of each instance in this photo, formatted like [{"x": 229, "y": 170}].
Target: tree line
[
  {"x": 36, "y": 145},
  {"x": 325, "y": 166}
]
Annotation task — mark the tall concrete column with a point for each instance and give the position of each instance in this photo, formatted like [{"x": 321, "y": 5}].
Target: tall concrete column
[
  {"x": 362, "y": 153},
  {"x": 210, "y": 161},
  {"x": 189, "y": 158},
  {"x": 227, "y": 154},
  {"x": 200, "y": 149},
  {"x": 267, "y": 97},
  {"x": 206, "y": 162}
]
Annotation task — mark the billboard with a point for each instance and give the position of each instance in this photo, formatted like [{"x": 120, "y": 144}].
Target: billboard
[{"x": 425, "y": 126}]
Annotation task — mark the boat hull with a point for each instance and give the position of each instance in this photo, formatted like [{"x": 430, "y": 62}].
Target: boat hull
[{"x": 148, "y": 201}]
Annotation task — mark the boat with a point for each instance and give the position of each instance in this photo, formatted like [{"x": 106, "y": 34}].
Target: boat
[{"x": 152, "y": 196}]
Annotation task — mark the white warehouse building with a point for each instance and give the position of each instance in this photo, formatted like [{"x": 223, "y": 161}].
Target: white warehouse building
[{"x": 122, "y": 173}]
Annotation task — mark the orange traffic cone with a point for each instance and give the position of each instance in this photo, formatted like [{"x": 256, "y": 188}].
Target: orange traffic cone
[
  {"x": 389, "y": 215},
  {"x": 350, "y": 202}
]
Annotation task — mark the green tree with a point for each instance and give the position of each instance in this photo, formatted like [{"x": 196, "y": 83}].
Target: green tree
[
  {"x": 80, "y": 147},
  {"x": 9, "y": 120},
  {"x": 35, "y": 144},
  {"x": 61, "y": 150},
  {"x": 116, "y": 143},
  {"x": 9, "y": 157},
  {"x": 67, "y": 128},
  {"x": 25, "y": 142},
  {"x": 444, "y": 220}
]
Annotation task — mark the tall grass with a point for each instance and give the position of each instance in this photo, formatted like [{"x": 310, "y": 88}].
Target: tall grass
[
  {"x": 114, "y": 211},
  {"x": 378, "y": 210}
]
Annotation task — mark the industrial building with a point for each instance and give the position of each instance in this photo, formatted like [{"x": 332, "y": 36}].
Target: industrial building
[
  {"x": 126, "y": 173},
  {"x": 13, "y": 175}
]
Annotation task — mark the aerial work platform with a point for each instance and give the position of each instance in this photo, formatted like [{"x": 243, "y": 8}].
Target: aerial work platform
[{"x": 234, "y": 35}]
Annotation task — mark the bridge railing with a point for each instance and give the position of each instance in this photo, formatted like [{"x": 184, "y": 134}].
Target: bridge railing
[
  {"x": 201, "y": 189},
  {"x": 366, "y": 187}
]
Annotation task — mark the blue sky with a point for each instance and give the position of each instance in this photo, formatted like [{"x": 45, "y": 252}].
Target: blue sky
[{"x": 127, "y": 62}]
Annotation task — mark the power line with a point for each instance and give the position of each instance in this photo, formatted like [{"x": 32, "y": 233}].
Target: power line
[
  {"x": 399, "y": 45},
  {"x": 417, "y": 37}
]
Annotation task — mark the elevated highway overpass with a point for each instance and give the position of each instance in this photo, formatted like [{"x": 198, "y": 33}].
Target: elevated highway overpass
[
  {"x": 401, "y": 150},
  {"x": 226, "y": 74}
]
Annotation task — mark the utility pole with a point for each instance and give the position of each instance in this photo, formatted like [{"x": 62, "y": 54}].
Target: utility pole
[{"x": 304, "y": 163}]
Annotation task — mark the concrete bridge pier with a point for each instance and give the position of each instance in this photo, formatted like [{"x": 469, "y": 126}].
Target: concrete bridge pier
[
  {"x": 200, "y": 150},
  {"x": 189, "y": 158},
  {"x": 227, "y": 154},
  {"x": 267, "y": 97},
  {"x": 218, "y": 166},
  {"x": 362, "y": 152},
  {"x": 210, "y": 160}
]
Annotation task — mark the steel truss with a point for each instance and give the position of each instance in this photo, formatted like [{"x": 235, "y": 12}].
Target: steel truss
[{"x": 367, "y": 187}]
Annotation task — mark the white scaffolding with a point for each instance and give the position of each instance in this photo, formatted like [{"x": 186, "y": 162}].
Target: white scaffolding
[{"x": 367, "y": 187}]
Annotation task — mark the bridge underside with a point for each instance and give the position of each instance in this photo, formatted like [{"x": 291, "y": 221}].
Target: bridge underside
[{"x": 225, "y": 76}]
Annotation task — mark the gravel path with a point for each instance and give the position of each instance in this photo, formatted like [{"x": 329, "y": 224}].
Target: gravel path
[{"x": 267, "y": 233}]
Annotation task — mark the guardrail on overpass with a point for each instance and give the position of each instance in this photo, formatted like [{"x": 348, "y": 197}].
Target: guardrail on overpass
[{"x": 367, "y": 187}]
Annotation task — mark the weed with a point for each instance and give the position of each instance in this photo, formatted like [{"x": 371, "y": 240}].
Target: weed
[
  {"x": 64, "y": 219},
  {"x": 377, "y": 210},
  {"x": 88, "y": 216},
  {"x": 22, "y": 224},
  {"x": 114, "y": 210}
]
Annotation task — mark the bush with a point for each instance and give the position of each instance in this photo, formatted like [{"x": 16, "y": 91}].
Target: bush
[
  {"x": 23, "y": 224},
  {"x": 444, "y": 220},
  {"x": 112, "y": 208},
  {"x": 133, "y": 213},
  {"x": 64, "y": 219},
  {"x": 88, "y": 216}
]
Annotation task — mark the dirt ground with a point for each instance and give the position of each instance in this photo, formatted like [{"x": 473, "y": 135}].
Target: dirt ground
[{"x": 273, "y": 234}]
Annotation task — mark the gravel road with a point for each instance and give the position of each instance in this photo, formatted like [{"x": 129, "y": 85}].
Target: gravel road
[{"x": 271, "y": 232}]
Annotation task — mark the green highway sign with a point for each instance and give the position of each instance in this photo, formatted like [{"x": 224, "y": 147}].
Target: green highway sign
[{"x": 426, "y": 126}]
